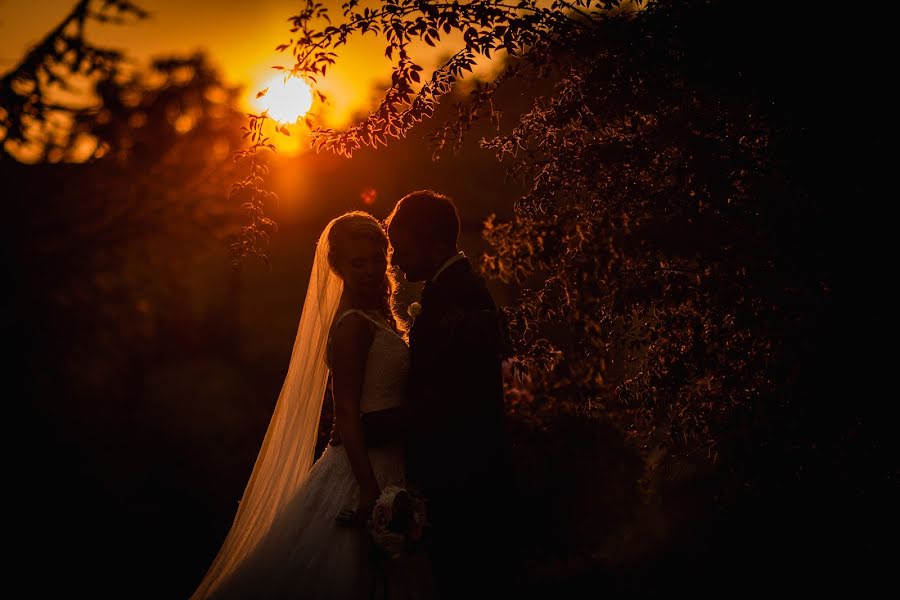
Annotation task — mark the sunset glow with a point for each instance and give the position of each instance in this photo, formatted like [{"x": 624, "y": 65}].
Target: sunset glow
[
  {"x": 352, "y": 86},
  {"x": 287, "y": 101}
]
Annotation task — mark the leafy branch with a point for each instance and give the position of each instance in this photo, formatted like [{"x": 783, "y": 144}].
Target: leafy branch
[
  {"x": 526, "y": 33},
  {"x": 30, "y": 108},
  {"x": 491, "y": 28}
]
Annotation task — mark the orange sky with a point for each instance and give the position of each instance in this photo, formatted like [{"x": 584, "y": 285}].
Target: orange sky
[{"x": 239, "y": 35}]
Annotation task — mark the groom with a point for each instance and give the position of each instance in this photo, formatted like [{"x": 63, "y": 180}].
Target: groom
[{"x": 452, "y": 424}]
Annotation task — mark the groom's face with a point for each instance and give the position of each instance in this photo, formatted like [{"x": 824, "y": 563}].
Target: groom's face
[{"x": 408, "y": 255}]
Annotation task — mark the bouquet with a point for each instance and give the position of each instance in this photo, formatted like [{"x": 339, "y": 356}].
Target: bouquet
[{"x": 398, "y": 520}]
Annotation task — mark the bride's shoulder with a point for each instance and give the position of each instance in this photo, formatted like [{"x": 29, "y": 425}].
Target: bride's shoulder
[
  {"x": 350, "y": 337},
  {"x": 352, "y": 322}
]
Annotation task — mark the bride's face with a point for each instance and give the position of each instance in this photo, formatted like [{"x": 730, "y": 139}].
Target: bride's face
[{"x": 362, "y": 266}]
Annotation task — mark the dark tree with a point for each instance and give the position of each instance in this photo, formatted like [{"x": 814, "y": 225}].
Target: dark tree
[
  {"x": 104, "y": 233},
  {"x": 57, "y": 83}
]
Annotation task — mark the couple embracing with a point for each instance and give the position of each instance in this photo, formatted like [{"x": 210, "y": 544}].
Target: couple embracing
[{"x": 420, "y": 409}]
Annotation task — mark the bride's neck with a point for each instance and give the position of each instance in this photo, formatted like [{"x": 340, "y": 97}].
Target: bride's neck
[{"x": 360, "y": 303}]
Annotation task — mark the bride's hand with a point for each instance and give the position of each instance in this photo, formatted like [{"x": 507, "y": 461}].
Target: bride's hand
[{"x": 367, "y": 500}]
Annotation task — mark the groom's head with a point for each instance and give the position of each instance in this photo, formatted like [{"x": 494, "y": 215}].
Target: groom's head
[{"x": 423, "y": 229}]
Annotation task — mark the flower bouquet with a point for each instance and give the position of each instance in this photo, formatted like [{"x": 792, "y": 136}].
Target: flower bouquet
[{"x": 398, "y": 520}]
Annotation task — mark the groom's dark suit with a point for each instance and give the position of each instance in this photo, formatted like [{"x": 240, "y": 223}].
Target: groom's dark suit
[{"x": 453, "y": 423}]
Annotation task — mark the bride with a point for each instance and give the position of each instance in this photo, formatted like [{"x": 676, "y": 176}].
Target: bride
[{"x": 286, "y": 541}]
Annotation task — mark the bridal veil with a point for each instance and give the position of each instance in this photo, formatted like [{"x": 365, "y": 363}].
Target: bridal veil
[{"x": 287, "y": 450}]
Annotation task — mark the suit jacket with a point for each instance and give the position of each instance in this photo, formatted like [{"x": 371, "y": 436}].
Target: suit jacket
[{"x": 452, "y": 423}]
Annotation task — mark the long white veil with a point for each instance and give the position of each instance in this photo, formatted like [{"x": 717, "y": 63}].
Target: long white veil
[{"x": 287, "y": 450}]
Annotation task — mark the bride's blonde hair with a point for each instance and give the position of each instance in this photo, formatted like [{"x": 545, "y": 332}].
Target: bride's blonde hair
[{"x": 361, "y": 225}]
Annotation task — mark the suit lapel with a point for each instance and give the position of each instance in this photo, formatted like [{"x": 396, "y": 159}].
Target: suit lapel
[
  {"x": 438, "y": 290},
  {"x": 437, "y": 297}
]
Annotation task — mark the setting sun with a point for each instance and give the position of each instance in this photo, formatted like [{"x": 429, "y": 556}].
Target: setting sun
[{"x": 288, "y": 100}]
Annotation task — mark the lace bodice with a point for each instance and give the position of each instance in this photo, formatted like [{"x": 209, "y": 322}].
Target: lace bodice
[{"x": 387, "y": 365}]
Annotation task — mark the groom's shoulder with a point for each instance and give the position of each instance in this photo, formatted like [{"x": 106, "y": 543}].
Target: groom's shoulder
[
  {"x": 461, "y": 288},
  {"x": 469, "y": 289}
]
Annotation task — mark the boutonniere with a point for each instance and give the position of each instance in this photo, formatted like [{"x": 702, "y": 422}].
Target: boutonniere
[{"x": 413, "y": 310}]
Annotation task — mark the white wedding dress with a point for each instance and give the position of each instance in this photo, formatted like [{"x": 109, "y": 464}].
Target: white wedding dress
[{"x": 306, "y": 554}]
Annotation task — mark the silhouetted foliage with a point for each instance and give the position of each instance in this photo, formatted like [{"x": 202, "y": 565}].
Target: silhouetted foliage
[
  {"x": 57, "y": 82},
  {"x": 97, "y": 233},
  {"x": 94, "y": 236}
]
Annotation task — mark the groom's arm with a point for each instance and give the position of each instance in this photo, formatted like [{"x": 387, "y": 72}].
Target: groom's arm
[{"x": 472, "y": 364}]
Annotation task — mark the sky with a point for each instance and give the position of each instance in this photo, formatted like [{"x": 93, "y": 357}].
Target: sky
[{"x": 240, "y": 36}]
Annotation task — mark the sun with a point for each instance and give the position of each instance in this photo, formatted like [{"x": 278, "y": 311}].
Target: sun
[{"x": 288, "y": 100}]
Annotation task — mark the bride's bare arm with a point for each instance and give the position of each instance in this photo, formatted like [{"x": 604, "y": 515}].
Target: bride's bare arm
[{"x": 352, "y": 338}]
